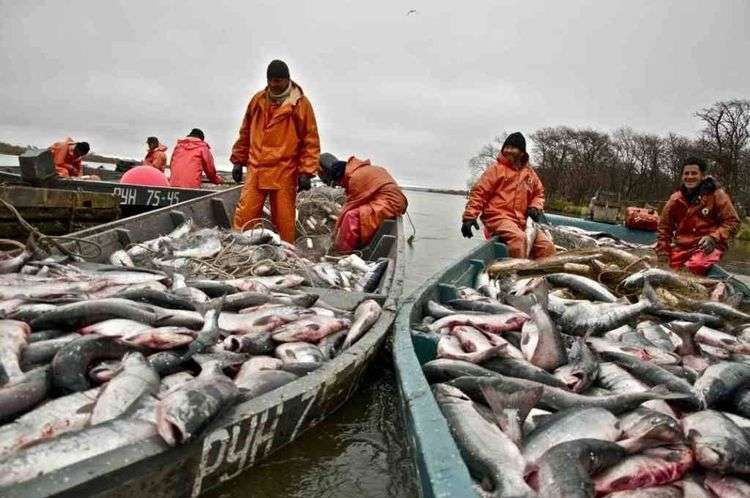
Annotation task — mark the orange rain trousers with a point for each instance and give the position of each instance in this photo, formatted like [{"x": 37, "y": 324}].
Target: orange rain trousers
[
  {"x": 515, "y": 240},
  {"x": 282, "y": 201}
]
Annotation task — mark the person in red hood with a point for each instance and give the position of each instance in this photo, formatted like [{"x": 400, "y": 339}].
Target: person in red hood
[
  {"x": 372, "y": 196},
  {"x": 156, "y": 155},
  {"x": 506, "y": 194},
  {"x": 67, "y": 155},
  {"x": 697, "y": 222},
  {"x": 191, "y": 157}
]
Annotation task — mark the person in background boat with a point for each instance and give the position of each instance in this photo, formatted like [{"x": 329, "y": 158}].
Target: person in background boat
[
  {"x": 144, "y": 174},
  {"x": 278, "y": 143},
  {"x": 506, "y": 194},
  {"x": 190, "y": 158},
  {"x": 156, "y": 155},
  {"x": 67, "y": 155},
  {"x": 372, "y": 196},
  {"x": 697, "y": 222}
]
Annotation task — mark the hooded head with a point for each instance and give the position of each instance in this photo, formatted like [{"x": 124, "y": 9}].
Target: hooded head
[
  {"x": 331, "y": 169},
  {"x": 81, "y": 149},
  {"x": 277, "y": 76},
  {"x": 514, "y": 148}
]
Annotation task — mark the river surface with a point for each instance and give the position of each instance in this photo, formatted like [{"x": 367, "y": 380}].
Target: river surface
[{"x": 360, "y": 450}]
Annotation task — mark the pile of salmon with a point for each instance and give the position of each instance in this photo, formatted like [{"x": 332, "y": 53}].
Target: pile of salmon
[
  {"x": 594, "y": 373},
  {"x": 215, "y": 253},
  {"x": 94, "y": 357}
]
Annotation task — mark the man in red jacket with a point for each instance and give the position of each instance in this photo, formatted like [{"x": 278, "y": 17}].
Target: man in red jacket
[
  {"x": 697, "y": 222},
  {"x": 506, "y": 194},
  {"x": 191, "y": 157},
  {"x": 372, "y": 196}
]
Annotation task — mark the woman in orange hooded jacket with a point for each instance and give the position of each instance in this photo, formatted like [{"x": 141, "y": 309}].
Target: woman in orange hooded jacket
[
  {"x": 506, "y": 194},
  {"x": 372, "y": 196},
  {"x": 156, "y": 155},
  {"x": 697, "y": 222}
]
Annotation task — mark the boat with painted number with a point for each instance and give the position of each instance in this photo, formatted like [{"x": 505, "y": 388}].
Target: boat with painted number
[
  {"x": 438, "y": 461},
  {"x": 247, "y": 432}
]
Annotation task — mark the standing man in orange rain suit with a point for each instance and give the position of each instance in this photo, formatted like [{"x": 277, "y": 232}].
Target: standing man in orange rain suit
[
  {"x": 67, "y": 155},
  {"x": 697, "y": 222},
  {"x": 190, "y": 158},
  {"x": 506, "y": 194},
  {"x": 278, "y": 143},
  {"x": 372, "y": 195},
  {"x": 156, "y": 155}
]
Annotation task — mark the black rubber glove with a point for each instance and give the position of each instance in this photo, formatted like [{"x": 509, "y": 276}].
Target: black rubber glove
[
  {"x": 466, "y": 228},
  {"x": 303, "y": 182},
  {"x": 534, "y": 214},
  {"x": 237, "y": 173},
  {"x": 707, "y": 244}
]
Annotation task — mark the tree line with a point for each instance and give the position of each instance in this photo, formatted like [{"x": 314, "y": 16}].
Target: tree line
[{"x": 574, "y": 164}]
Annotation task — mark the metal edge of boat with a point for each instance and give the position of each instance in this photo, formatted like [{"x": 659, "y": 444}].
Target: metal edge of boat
[
  {"x": 129, "y": 194},
  {"x": 247, "y": 432},
  {"x": 438, "y": 461},
  {"x": 439, "y": 465}
]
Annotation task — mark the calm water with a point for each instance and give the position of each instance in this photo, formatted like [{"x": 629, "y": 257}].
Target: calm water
[{"x": 360, "y": 450}]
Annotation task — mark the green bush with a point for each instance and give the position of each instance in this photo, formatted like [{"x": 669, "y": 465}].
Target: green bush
[{"x": 744, "y": 232}]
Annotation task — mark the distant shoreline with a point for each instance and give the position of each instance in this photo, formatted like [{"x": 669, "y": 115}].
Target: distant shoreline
[{"x": 435, "y": 190}]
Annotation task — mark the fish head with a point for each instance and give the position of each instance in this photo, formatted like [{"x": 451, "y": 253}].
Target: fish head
[
  {"x": 657, "y": 426},
  {"x": 445, "y": 393},
  {"x": 575, "y": 378}
]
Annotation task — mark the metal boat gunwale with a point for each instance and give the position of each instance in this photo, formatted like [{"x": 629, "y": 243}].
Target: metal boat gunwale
[{"x": 249, "y": 431}]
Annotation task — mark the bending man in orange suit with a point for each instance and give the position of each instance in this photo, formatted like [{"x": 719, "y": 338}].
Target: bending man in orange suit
[
  {"x": 506, "y": 194},
  {"x": 372, "y": 195},
  {"x": 278, "y": 143},
  {"x": 67, "y": 155}
]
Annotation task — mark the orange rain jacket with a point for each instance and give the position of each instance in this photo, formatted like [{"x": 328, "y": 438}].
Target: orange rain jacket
[
  {"x": 191, "y": 157},
  {"x": 374, "y": 193},
  {"x": 157, "y": 157},
  {"x": 504, "y": 193},
  {"x": 685, "y": 224},
  {"x": 66, "y": 163},
  {"x": 277, "y": 142}
]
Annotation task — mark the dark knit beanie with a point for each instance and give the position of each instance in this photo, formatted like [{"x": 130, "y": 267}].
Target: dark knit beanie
[
  {"x": 197, "y": 133},
  {"x": 516, "y": 139},
  {"x": 277, "y": 69}
]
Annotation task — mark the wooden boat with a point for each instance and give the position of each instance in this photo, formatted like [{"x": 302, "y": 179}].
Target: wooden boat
[
  {"x": 54, "y": 212},
  {"x": 250, "y": 431},
  {"x": 438, "y": 462}
]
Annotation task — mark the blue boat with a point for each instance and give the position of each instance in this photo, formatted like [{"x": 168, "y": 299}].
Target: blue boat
[{"x": 441, "y": 469}]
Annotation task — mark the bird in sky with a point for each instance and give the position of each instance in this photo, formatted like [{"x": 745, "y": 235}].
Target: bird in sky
[{"x": 412, "y": 11}]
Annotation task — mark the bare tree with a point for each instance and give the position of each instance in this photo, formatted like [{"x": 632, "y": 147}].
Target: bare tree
[{"x": 725, "y": 135}]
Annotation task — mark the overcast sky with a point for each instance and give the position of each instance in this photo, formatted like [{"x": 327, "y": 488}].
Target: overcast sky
[{"x": 418, "y": 93}]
